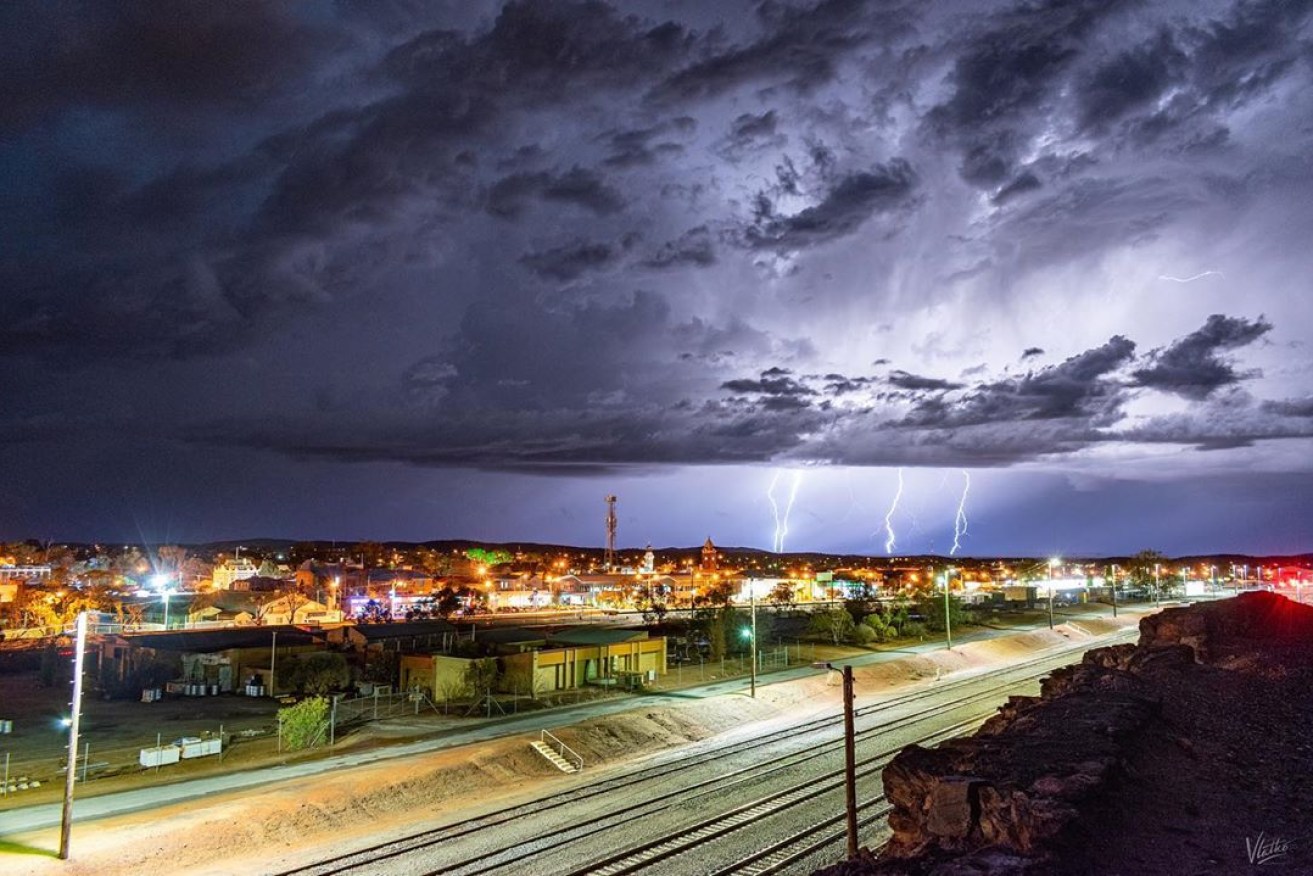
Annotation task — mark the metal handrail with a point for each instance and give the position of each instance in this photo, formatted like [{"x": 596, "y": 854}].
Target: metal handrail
[{"x": 564, "y": 750}]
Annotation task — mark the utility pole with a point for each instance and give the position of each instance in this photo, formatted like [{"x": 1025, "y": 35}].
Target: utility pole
[
  {"x": 273, "y": 662},
  {"x": 850, "y": 760},
  {"x": 70, "y": 775},
  {"x": 850, "y": 753}
]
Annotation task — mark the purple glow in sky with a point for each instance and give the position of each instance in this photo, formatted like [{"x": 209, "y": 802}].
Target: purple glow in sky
[{"x": 415, "y": 271}]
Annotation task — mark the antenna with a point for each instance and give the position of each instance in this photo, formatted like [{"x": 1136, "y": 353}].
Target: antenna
[{"x": 609, "y": 559}]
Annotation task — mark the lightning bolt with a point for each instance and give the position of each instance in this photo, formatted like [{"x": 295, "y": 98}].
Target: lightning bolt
[
  {"x": 889, "y": 539},
  {"x": 782, "y": 520},
  {"x": 960, "y": 521},
  {"x": 1192, "y": 279}
]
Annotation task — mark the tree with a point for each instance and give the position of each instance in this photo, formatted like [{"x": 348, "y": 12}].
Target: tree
[
  {"x": 880, "y": 626},
  {"x": 481, "y": 676},
  {"x": 931, "y": 607},
  {"x": 488, "y": 558},
  {"x": 304, "y": 724},
  {"x": 319, "y": 673},
  {"x": 835, "y": 624},
  {"x": 651, "y": 601},
  {"x": 1145, "y": 569},
  {"x": 781, "y": 596}
]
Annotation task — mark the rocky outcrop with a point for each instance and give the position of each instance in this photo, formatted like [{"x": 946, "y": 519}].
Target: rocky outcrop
[{"x": 1008, "y": 798}]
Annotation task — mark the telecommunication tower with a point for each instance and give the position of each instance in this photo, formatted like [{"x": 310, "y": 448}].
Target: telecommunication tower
[{"x": 609, "y": 559}]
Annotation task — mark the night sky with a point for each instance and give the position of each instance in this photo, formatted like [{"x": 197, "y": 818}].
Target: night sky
[{"x": 406, "y": 270}]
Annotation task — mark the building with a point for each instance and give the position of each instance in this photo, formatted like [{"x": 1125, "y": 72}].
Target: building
[
  {"x": 227, "y": 659},
  {"x": 569, "y": 660},
  {"x": 225, "y": 574},
  {"x": 24, "y": 574}
]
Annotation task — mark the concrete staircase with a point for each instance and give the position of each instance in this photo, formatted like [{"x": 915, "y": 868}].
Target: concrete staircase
[
  {"x": 559, "y": 762},
  {"x": 558, "y": 753}
]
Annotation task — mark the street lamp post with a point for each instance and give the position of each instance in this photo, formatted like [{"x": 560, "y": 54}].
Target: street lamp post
[
  {"x": 1052, "y": 566},
  {"x": 752, "y": 645},
  {"x": 1157, "y": 585},
  {"x": 1114, "y": 589},
  {"x": 948, "y": 621},
  {"x": 66, "y": 817}
]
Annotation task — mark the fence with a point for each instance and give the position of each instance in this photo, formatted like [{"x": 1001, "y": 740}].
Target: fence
[
  {"x": 93, "y": 762},
  {"x": 679, "y": 673}
]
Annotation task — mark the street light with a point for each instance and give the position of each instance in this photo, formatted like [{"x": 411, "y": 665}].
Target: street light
[
  {"x": 948, "y": 621},
  {"x": 1114, "y": 589},
  {"x": 1157, "y": 586},
  {"x": 1053, "y": 564},
  {"x": 850, "y": 754},
  {"x": 752, "y": 595},
  {"x": 66, "y": 816}
]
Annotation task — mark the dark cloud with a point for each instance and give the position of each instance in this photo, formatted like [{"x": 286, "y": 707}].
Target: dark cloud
[
  {"x": 1131, "y": 80},
  {"x": 1301, "y": 407},
  {"x": 1031, "y": 352},
  {"x": 694, "y": 247},
  {"x": 635, "y": 148},
  {"x": 1192, "y": 368},
  {"x": 138, "y": 56},
  {"x": 776, "y": 383},
  {"x": 751, "y": 133},
  {"x": 849, "y": 203},
  {"x": 800, "y": 49},
  {"x": 570, "y": 261},
  {"x": 507, "y": 199},
  {"x": 1004, "y": 75},
  {"x": 1081, "y": 387},
  {"x": 904, "y": 380}
]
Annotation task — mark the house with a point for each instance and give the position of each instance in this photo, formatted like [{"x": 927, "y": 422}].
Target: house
[{"x": 293, "y": 608}]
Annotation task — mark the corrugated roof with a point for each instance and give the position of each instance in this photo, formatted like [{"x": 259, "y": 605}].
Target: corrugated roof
[
  {"x": 510, "y": 635},
  {"x": 596, "y": 636},
  {"x": 378, "y": 632},
  {"x": 209, "y": 641}
]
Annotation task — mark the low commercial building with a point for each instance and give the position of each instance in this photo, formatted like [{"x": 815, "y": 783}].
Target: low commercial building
[
  {"x": 224, "y": 658},
  {"x": 569, "y": 660}
]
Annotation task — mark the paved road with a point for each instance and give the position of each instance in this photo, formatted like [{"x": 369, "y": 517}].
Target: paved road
[{"x": 31, "y": 818}]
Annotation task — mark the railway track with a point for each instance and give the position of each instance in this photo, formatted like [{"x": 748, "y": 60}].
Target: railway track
[{"x": 371, "y": 859}]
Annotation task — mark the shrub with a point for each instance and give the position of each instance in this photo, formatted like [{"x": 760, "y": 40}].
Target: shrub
[
  {"x": 304, "y": 724},
  {"x": 862, "y": 634},
  {"x": 914, "y": 630}
]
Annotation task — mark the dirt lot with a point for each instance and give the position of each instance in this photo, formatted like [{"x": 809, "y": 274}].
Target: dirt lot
[{"x": 296, "y": 822}]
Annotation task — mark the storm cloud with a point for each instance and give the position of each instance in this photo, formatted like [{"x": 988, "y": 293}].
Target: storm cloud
[{"x": 578, "y": 236}]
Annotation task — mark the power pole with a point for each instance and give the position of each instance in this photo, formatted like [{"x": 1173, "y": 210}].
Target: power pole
[
  {"x": 70, "y": 775},
  {"x": 850, "y": 760}
]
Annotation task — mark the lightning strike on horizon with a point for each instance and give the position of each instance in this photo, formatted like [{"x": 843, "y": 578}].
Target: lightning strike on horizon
[
  {"x": 1191, "y": 279},
  {"x": 890, "y": 539},
  {"x": 960, "y": 521},
  {"x": 782, "y": 522}
]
